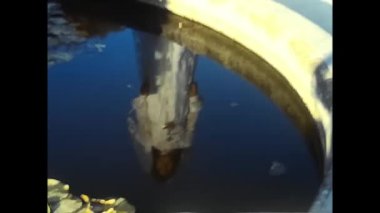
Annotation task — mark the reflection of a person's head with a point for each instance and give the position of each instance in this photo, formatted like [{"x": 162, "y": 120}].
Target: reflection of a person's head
[{"x": 165, "y": 164}]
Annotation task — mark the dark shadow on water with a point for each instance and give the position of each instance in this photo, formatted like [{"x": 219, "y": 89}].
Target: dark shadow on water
[{"x": 99, "y": 17}]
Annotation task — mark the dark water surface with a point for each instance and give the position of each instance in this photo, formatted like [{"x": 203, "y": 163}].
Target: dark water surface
[{"x": 136, "y": 115}]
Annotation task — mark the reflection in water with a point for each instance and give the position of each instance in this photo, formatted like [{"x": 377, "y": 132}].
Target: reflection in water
[
  {"x": 259, "y": 161},
  {"x": 167, "y": 108}
]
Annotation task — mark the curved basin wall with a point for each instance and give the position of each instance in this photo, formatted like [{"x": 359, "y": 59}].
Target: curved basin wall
[{"x": 300, "y": 50}]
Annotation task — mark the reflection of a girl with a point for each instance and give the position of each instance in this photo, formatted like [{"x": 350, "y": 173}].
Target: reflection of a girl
[{"x": 167, "y": 108}]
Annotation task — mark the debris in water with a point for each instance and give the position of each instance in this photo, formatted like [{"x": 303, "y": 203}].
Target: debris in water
[
  {"x": 277, "y": 169},
  {"x": 234, "y": 104},
  {"x": 100, "y": 47}
]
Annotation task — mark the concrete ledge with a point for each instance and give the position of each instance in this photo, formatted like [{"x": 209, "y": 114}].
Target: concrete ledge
[
  {"x": 300, "y": 50},
  {"x": 295, "y": 46}
]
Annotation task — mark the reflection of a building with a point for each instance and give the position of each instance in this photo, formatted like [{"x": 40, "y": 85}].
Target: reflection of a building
[{"x": 165, "y": 112}]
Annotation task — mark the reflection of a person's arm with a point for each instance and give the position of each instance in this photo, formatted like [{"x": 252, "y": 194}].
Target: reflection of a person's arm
[{"x": 195, "y": 105}]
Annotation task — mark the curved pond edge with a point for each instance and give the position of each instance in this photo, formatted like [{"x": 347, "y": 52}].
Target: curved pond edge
[{"x": 300, "y": 50}]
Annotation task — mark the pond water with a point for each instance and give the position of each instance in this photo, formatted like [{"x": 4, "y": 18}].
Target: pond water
[{"x": 134, "y": 114}]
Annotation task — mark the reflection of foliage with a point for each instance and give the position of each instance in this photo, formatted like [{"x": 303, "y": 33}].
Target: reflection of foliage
[
  {"x": 58, "y": 57},
  {"x": 64, "y": 40},
  {"x": 60, "y": 33}
]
